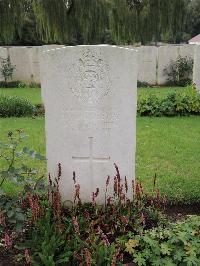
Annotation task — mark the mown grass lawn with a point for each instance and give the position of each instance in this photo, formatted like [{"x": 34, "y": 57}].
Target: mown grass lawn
[
  {"x": 35, "y": 140},
  {"x": 169, "y": 147},
  {"x": 159, "y": 91},
  {"x": 31, "y": 94}
]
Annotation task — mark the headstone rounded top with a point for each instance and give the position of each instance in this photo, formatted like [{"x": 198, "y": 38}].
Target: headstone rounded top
[{"x": 88, "y": 46}]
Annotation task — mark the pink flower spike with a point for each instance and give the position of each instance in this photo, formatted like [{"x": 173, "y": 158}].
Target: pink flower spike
[
  {"x": 27, "y": 256},
  {"x": 7, "y": 241}
]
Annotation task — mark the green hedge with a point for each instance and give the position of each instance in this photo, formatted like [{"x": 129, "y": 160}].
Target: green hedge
[
  {"x": 15, "y": 106},
  {"x": 10, "y": 84},
  {"x": 175, "y": 104},
  {"x": 19, "y": 84}
]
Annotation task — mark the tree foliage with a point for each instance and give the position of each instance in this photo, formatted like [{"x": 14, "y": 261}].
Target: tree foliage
[
  {"x": 193, "y": 24},
  {"x": 97, "y": 21},
  {"x": 11, "y": 19},
  {"x": 73, "y": 19}
]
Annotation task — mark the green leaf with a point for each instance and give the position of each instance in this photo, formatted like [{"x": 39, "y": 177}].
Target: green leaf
[
  {"x": 179, "y": 254},
  {"x": 12, "y": 221},
  {"x": 165, "y": 249},
  {"x": 10, "y": 213},
  {"x": 20, "y": 216},
  {"x": 139, "y": 259},
  {"x": 168, "y": 262},
  {"x": 191, "y": 261},
  {"x": 19, "y": 227}
]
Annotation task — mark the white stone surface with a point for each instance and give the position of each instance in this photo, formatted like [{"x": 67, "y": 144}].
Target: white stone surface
[
  {"x": 187, "y": 50},
  {"x": 34, "y": 54},
  {"x": 196, "y": 72},
  {"x": 27, "y": 61},
  {"x": 90, "y": 97},
  {"x": 165, "y": 55},
  {"x": 20, "y": 58},
  {"x": 3, "y": 55},
  {"x": 148, "y": 64}
]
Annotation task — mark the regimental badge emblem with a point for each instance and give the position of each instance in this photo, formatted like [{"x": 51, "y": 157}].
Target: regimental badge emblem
[{"x": 89, "y": 77}]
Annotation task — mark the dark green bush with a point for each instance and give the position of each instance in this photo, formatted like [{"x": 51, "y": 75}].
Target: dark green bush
[
  {"x": 143, "y": 84},
  {"x": 19, "y": 84},
  {"x": 39, "y": 110},
  {"x": 15, "y": 106},
  {"x": 149, "y": 106},
  {"x": 179, "y": 72},
  {"x": 175, "y": 104},
  {"x": 10, "y": 84},
  {"x": 7, "y": 68},
  {"x": 22, "y": 84}
]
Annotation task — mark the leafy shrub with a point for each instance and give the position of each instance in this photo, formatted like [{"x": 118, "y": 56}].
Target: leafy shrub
[
  {"x": 14, "y": 216},
  {"x": 19, "y": 84},
  {"x": 179, "y": 72},
  {"x": 6, "y": 68},
  {"x": 28, "y": 84},
  {"x": 88, "y": 233},
  {"x": 39, "y": 110},
  {"x": 9, "y": 84},
  {"x": 15, "y": 106},
  {"x": 143, "y": 84},
  {"x": 177, "y": 244},
  {"x": 14, "y": 166},
  {"x": 176, "y": 103},
  {"x": 22, "y": 84},
  {"x": 149, "y": 106}
]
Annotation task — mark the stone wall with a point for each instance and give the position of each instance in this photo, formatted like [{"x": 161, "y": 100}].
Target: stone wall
[
  {"x": 152, "y": 61},
  {"x": 26, "y": 61},
  {"x": 196, "y": 72}
]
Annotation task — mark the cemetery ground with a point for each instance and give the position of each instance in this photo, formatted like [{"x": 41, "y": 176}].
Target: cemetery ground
[
  {"x": 163, "y": 144},
  {"x": 166, "y": 146}
]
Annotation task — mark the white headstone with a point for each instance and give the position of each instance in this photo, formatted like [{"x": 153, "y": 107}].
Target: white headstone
[
  {"x": 148, "y": 64},
  {"x": 196, "y": 70},
  {"x": 165, "y": 55},
  {"x": 90, "y": 102}
]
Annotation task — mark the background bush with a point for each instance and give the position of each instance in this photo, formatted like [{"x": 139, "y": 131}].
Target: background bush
[
  {"x": 19, "y": 84},
  {"x": 179, "y": 72},
  {"x": 176, "y": 103},
  {"x": 10, "y": 84},
  {"x": 7, "y": 68},
  {"x": 15, "y": 106},
  {"x": 143, "y": 84}
]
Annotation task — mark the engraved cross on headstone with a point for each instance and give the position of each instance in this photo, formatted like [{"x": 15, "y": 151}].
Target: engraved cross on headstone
[{"x": 91, "y": 158}]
